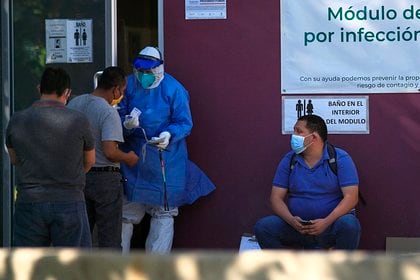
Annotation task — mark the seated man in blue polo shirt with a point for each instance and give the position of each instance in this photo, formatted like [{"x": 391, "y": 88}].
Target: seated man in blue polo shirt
[{"x": 313, "y": 205}]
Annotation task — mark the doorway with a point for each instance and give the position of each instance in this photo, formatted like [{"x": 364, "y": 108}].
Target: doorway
[
  {"x": 137, "y": 26},
  {"x": 120, "y": 28}
]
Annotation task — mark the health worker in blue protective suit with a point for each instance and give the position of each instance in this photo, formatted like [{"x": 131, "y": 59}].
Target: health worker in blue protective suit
[{"x": 157, "y": 119}]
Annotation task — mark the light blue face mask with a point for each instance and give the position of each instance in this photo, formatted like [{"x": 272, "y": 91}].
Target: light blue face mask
[
  {"x": 297, "y": 143},
  {"x": 146, "y": 79}
]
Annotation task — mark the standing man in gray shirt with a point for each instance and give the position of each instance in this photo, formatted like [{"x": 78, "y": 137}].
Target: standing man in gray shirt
[
  {"x": 52, "y": 148},
  {"x": 104, "y": 189}
]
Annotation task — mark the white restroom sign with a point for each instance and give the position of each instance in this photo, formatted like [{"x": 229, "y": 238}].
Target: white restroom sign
[
  {"x": 69, "y": 41},
  {"x": 343, "y": 115}
]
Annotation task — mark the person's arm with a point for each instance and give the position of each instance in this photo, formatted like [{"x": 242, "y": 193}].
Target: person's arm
[
  {"x": 13, "y": 157},
  {"x": 124, "y": 107},
  {"x": 181, "y": 120},
  {"x": 279, "y": 206},
  {"x": 12, "y": 153},
  {"x": 114, "y": 154},
  {"x": 88, "y": 160},
  {"x": 349, "y": 185},
  {"x": 349, "y": 201}
]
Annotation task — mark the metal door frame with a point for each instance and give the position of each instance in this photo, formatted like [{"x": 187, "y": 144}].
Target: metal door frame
[
  {"x": 6, "y": 110},
  {"x": 111, "y": 31}
]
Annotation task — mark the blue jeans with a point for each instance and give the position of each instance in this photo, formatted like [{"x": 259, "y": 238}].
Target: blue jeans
[
  {"x": 273, "y": 232},
  {"x": 60, "y": 224}
]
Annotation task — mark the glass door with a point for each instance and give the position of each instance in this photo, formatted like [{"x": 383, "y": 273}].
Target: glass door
[
  {"x": 81, "y": 36},
  {"x": 26, "y": 44},
  {"x": 32, "y": 35}
]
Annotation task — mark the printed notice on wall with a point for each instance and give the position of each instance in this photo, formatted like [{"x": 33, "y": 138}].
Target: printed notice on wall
[
  {"x": 205, "y": 9},
  {"x": 347, "y": 115},
  {"x": 68, "y": 41},
  {"x": 353, "y": 46}
]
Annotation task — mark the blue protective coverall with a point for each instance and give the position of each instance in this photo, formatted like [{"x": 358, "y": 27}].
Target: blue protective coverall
[{"x": 164, "y": 108}]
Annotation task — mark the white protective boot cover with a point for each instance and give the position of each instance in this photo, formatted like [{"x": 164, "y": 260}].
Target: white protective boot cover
[
  {"x": 126, "y": 234},
  {"x": 161, "y": 234}
]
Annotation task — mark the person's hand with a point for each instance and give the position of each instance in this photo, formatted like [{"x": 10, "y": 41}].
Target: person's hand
[
  {"x": 131, "y": 159},
  {"x": 131, "y": 122},
  {"x": 318, "y": 226},
  {"x": 162, "y": 140},
  {"x": 296, "y": 223}
]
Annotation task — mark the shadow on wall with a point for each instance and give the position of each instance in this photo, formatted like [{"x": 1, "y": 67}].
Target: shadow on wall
[{"x": 74, "y": 264}]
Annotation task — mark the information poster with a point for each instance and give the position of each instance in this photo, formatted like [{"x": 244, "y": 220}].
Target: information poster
[
  {"x": 68, "y": 41},
  {"x": 353, "y": 46},
  {"x": 205, "y": 9},
  {"x": 343, "y": 115}
]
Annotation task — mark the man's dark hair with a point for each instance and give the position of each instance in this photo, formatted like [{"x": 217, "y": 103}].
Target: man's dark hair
[
  {"x": 54, "y": 80},
  {"x": 316, "y": 124},
  {"x": 111, "y": 77}
]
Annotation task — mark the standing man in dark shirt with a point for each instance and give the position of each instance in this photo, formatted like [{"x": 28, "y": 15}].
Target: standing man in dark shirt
[{"x": 52, "y": 147}]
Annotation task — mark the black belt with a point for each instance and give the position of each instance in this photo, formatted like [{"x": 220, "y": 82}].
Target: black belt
[{"x": 105, "y": 169}]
